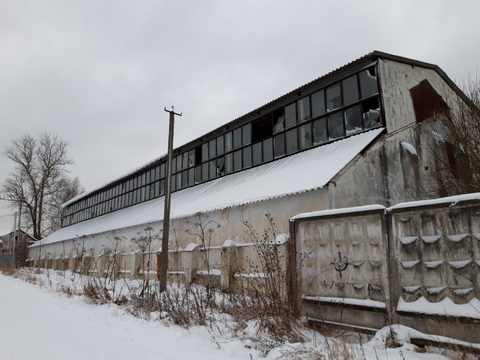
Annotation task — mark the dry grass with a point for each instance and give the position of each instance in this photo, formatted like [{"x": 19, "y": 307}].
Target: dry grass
[
  {"x": 8, "y": 270},
  {"x": 265, "y": 298}
]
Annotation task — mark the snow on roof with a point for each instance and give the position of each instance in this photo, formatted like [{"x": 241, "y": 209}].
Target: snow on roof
[
  {"x": 4, "y": 232},
  {"x": 305, "y": 171}
]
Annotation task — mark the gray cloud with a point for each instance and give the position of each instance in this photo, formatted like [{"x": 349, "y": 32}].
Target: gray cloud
[{"x": 100, "y": 72}]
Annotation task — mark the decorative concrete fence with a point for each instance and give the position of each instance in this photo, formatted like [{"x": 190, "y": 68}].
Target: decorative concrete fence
[
  {"x": 233, "y": 266},
  {"x": 115, "y": 265},
  {"x": 416, "y": 264}
]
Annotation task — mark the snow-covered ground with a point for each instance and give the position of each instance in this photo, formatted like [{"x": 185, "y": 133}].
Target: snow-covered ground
[{"x": 38, "y": 323}]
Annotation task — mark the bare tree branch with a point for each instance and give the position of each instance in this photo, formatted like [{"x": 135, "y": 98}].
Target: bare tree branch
[
  {"x": 457, "y": 145},
  {"x": 40, "y": 181}
]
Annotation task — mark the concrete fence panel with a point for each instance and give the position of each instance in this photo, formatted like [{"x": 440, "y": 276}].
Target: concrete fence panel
[{"x": 415, "y": 264}]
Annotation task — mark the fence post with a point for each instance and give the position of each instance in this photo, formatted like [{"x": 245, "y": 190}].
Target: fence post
[
  {"x": 101, "y": 259},
  {"x": 228, "y": 264},
  {"x": 136, "y": 264},
  {"x": 192, "y": 254}
]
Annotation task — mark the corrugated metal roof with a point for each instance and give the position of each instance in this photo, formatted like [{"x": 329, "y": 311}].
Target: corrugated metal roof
[{"x": 305, "y": 171}]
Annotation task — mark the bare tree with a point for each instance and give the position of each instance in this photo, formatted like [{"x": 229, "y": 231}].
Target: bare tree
[
  {"x": 457, "y": 169},
  {"x": 53, "y": 206},
  {"x": 40, "y": 181}
]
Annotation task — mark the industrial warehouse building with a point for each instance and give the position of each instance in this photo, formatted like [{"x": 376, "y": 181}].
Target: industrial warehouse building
[
  {"x": 314, "y": 160},
  {"x": 358, "y": 135}
]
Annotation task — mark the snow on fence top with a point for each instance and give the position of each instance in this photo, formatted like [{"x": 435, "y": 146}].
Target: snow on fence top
[{"x": 452, "y": 200}]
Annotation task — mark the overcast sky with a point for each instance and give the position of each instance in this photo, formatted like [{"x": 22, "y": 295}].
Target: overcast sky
[{"x": 99, "y": 73}]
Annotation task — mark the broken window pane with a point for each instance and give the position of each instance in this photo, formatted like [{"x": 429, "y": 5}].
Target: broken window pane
[
  {"x": 198, "y": 155},
  {"x": 279, "y": 144},
  {"x": 191, "y": 157},
  {"x": 220, "y": 166},
  {"x": 184, "y": 160},
  {"x": 371, "y": 114},
  {"x": 292, "y": 141},
  {"x": 353, "y": 120},
  {"x": 334, "y": 97},
  {"x": 290, "y": 116},
  {"x": 335, "y": 125},
  {"x": 318, "y": 103},
  {"x": 303, "y": 107},
  {"x": 368, "y": 82},
  {"x": 262, "y": 128},
  {"x": 320, "y": 131},
  {"x": 305, "y": 136},
  {"x": 278, "y": 121},
  {"x": 350, "y": 90}
]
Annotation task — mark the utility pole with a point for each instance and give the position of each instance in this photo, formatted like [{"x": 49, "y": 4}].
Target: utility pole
[
  {"x": 17, "y": 231},
  {"x": 166, "y": 213},
  {"x": 20, "y": 217},
  {"x": 13, "y": 242}
]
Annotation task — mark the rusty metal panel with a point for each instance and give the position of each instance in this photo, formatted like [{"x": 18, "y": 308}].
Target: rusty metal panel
[{"x": 426, "y": 101}]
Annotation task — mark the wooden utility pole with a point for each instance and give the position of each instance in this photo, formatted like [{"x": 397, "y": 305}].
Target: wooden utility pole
[
  {"x": 14, "y": 264},
  {"x": 166, "y": 213}
]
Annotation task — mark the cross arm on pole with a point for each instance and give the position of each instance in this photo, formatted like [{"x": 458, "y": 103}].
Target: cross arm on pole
[{"x": 172, "y": 111}]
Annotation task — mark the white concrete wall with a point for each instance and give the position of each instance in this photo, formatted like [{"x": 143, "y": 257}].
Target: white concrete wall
[{"x": 227, "y": 224}]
